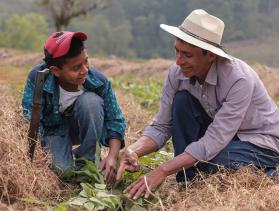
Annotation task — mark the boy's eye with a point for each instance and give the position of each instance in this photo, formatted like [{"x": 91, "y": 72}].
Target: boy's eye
[{"x": 76, "y": 68}]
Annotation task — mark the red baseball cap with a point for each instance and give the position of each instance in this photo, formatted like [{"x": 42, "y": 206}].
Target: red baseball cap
[{"x": 58, "y": 44}]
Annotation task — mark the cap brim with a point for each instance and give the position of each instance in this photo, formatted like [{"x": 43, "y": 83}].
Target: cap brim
[{"x": 194, "y": 41}]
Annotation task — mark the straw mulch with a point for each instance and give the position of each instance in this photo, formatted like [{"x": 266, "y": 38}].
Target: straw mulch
[
  {"x": 19, "y": 179},
  {"x": 245, "y": 189}
]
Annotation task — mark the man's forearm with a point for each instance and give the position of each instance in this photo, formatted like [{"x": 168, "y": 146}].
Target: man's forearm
[
  {"x": 143, "y": 146},
  {"x": 179, "y": 162}
]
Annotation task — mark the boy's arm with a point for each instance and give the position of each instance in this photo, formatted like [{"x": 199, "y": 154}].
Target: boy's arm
[
  {"x": 27, "y": 100},
  {"x": 114, "y": 120}
]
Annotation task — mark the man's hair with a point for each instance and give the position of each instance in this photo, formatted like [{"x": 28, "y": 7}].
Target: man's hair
[
  {"x": 76, "y": 48},
  {"x": 204, "y": 52}
]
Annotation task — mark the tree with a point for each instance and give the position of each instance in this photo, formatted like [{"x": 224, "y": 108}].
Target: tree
[
  {"x": 63, "y": 11},
  {"x": 24, "y": 32}
]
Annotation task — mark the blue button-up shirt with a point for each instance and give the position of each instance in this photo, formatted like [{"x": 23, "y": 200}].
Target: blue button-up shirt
[{"x": 51, "y": 121}]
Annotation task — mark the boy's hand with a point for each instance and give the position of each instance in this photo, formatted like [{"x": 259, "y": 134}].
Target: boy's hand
[{"x": 109, "y": 165}]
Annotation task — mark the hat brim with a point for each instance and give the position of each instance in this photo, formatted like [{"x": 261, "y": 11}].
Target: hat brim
[{"x": 194, "y": 41}]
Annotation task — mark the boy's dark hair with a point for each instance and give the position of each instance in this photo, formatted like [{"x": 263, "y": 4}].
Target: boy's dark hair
[{"x": 77, "y": 46}]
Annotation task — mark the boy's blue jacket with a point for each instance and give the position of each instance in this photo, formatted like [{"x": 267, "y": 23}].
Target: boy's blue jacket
[{"x": 51, "y": 121}]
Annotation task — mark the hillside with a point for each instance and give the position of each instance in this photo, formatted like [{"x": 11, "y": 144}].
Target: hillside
[{"x": 154, "y": 68}]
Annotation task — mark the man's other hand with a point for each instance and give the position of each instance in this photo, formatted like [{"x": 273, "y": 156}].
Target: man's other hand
[{"x": 128, "y": 162}]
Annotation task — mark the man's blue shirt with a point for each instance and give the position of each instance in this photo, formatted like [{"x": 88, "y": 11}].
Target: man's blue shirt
[{"x": 52, "y": 122}]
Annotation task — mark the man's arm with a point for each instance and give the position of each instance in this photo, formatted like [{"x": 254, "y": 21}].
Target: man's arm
[
  {"x": 144, "y": 146},
  {"x": 154, "y": 178},
  {"x": 129, "y": 159}
]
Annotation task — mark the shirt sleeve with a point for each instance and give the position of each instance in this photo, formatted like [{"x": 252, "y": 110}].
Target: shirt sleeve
[
  {"x": 27, "y": 100},
  {"x": 160, "y": 128},
  {"x": 114, "y": 121},
  {"x": 226, "y": 122}
]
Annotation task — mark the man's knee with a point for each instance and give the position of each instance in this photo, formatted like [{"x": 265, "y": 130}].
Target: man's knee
[
  {"x": 181, "y": 97},
  {"x": 181, "y": 101}
]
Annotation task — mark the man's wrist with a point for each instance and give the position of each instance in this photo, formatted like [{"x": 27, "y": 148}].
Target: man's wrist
[{"x": 164, "y": 170}]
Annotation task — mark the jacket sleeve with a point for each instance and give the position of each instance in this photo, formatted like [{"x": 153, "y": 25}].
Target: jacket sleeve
[
  {"x": 27, "y": 99},
  {"x": 114, "y": 121}
]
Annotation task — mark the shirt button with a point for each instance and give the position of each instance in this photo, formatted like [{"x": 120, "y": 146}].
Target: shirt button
[{"x": 204, "y": 96}]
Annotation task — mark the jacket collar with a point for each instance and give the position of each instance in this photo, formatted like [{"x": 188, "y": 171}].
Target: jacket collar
[{"x": 91, "y": 82}]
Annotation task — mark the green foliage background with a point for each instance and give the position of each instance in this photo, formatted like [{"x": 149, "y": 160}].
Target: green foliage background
[{"x": 130, "y": 28}]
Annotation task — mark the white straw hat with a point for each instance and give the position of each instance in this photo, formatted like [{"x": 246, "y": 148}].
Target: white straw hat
[{"x": 202, "y": 30}]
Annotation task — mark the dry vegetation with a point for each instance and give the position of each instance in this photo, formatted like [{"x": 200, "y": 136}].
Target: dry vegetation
[
  {"x": 19, "y": 178},
  {"x": 242, "y": 190}
]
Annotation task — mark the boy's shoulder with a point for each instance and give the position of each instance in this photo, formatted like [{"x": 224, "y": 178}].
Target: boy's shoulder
[
  {"x": 32, "y": 74},
  {"x": 97, "y": 74}
]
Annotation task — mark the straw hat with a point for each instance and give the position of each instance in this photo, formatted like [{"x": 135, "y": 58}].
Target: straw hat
[{"x": 201, "y": 29}]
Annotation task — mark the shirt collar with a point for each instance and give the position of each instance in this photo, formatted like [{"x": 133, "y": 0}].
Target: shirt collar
[
  {"x": 49, "y": 85},
  {"x": 211, "y": 77}
]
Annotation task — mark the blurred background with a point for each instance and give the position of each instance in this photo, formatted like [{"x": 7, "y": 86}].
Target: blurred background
[{"x": 130, "y": 28}]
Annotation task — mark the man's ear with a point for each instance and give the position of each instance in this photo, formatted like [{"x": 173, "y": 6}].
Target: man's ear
[{"x": 55, "y": 70}]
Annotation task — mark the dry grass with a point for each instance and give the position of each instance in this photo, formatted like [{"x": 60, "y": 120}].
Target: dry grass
[
  {"x": 18, "y": 177},
  {"x": 242, "y": 190}
]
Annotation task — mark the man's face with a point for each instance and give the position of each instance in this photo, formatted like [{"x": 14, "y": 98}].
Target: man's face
[
  {"x": 73, "y": 73},
  {"x": 192, "y": 60}
]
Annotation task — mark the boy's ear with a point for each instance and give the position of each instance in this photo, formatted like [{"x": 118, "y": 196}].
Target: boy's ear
[{"x": 55, "y": 70}]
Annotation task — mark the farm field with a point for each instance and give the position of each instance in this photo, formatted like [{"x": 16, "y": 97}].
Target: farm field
[{"x": 26, "y": 186}]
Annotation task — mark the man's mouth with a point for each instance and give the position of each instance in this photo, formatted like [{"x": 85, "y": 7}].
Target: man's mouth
[{"x": 185, "y": 69}]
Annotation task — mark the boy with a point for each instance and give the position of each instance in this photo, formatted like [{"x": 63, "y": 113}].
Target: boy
[{"x": 78, "y": 106}]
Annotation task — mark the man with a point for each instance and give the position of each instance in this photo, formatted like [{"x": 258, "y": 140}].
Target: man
[
  {"x": 214, "y": 106},
  {"x": 79, "y": 106}
]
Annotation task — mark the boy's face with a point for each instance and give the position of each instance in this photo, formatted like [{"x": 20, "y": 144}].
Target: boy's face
[{"x": 73, "y": 73}]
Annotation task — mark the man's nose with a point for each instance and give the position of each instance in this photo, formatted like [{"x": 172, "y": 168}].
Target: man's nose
[{"x": 179, "y": 59}]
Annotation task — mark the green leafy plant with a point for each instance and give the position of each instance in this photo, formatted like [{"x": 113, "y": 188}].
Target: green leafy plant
[
  {"x": 88, "y": 173},
  {"x": 147, "y": 89},
  {"x": 95, "y": 194},
  {"x": 95, "y": 197}
]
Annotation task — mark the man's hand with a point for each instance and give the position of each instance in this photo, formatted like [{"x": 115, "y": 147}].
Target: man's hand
[
  {"x": 109, "y": 165},
  {"x": 129, "y": 162},
  {"x": 153, "y": 179},
  {"x": 145, "y": 184}
]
